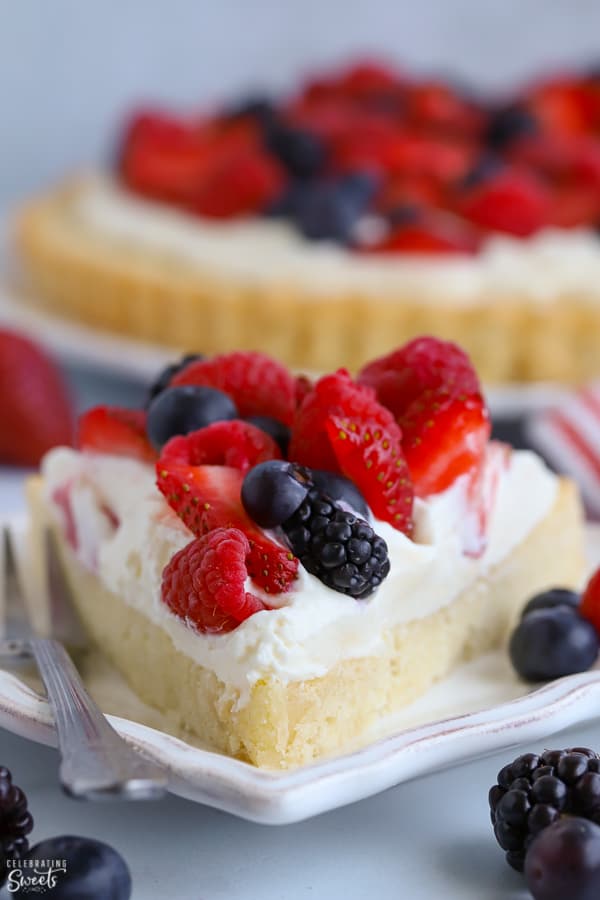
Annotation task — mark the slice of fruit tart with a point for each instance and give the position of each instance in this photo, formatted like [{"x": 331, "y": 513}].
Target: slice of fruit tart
[
  {"x": 325, "y": 226},
  {"x": 276, "y": 563}
]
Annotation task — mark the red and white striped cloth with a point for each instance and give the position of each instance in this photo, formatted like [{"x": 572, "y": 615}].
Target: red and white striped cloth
[{"x": 569, "y": 437}]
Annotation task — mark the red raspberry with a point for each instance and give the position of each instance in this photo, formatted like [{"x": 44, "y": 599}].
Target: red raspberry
[
  {"x": 204, "y": 583},
  {"x": 335, "y": 394},
  {"x": 229, "y": 443},
  {"x": 111, "y": 429},
  {"x": 425, "y": 362},
  {"x": 35, "y": 409},
  {"x": 371, "y": 456},
  {"x": 209, "y": 497},
  {"x": 590, "y": 601},
  {"x": 258, "y": 385}
]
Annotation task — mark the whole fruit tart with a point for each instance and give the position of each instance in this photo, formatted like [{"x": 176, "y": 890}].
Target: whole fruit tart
[
  {"x": 363, "y": 209},
  {"x": 277, "y": 563}
]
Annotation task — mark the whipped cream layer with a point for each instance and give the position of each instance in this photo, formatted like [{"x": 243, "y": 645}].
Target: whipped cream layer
[
  {"x": 553, "y": 263},
  {"x": 126, "y": 533}
]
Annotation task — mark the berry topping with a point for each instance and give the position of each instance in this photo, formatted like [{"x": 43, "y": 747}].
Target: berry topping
[
  {"x": 15, "y": 819},
  {"x": 342, "y": 490},
  {"x": 329, "y": 209},
  {"x": 336, "y": 546},
  {"x": 564, "y": 861},
  {"x": 273, "y": 491},
  {"x": 535, "y": 791},
  {"x": 257, "y": 384},
  {"x": 164, "y": 378},
  {"x": 514, "y": 202},
  {"x": 232, "y": 443},
  {"x": 179, "y": 410},
  {"x": 300, "y": 152},
  {"x": 509, "y": 123},
  {"x": 431, "y": 387},
  {"x": 93, "y": 869},
  {"x": 550, "y": 643},
  {"x": 245, "y": 183},
  {"x": 434, "y": 233},
  {"x": 273, "y": 427},
  {"x": 205, "y": 582},
  {"x": 424, "y": 363},
  {"x": 335, "y": 394},
  {"x": 551, "y": 599},
  {"x": 34, "y": 405},
  {"x": 209, "y": 497},
  {"x": 111, "y": 429},
  {"x": 371, "y": 456},
  {"x": 590, "y": 601},
  {"x": 443, "y": 438}
]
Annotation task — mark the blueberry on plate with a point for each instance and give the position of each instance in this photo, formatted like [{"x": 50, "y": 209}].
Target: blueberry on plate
[
  {"x": 185, "y": 408},
  {"x": 550, "y": 643},
  {"x": 552, "y": 598},
  {"x": 94, "y": 871},
  {"x": 341, "y": 489},
  {"x": 276, "y": 429},
  {"x": 272, "y": 491}
]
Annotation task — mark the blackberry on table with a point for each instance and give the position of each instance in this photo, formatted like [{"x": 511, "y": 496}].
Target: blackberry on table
[
  {"x": 535, "y": 791},
  {"x": 336, "y": 546},
  {"x": 16, "y": 821}
]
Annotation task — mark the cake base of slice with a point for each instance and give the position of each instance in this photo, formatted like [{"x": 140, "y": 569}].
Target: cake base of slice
[{"x": 289, "y": 724}]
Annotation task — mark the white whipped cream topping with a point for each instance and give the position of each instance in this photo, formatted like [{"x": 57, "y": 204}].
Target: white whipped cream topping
[
  {"x": 551, "y": 264},
  {"x": 315, "y": 627}
]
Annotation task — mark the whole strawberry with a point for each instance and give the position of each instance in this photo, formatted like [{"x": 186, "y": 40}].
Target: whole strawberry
[{"x": 35, "y": 409}]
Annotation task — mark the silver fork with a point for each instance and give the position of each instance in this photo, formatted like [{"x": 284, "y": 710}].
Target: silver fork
[{"x": 96, "y": 763}]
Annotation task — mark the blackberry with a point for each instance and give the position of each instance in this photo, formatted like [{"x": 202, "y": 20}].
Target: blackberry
[
  {"x": 535, "y": 791},
  {"x": 16, "y": 821},
  {"x": 336, "y": 546},
  {"x": 164, "y": 378}
]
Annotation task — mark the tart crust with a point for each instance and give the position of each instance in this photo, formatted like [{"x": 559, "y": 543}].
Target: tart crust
[
  {"x": 124, "y": 289},
  {"x": 289, "y": 724}
]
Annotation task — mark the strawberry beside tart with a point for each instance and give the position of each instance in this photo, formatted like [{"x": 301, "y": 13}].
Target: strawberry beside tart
[
  {"x": 276, "y": 564},
  {"x": 365, "y": 209}
]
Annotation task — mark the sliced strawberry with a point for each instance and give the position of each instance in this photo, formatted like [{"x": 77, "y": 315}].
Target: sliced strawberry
[
  {"x": 241, "y": 185},
  {"x": 35, "y": 409},
  {"x": 371, "y": 456},
  {"x": 513, "y": 201},
  {"x": 208, "y": 497},
  {"x": 590, "y": 601},
  {"x": 433, "y": 233},
  {"x": 335, "y": 394},
  {"x": 204, "y": 583},
  {"x": 424, "y": 363},
  {"x": 257, "y": 384},
  {"x": 232, "y": 443},
  {"x": 443, "y": 437},
  {"x": 111, "y": 429}
]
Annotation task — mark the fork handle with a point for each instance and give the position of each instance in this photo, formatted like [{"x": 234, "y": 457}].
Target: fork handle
[{"x": 95, "y": 761}]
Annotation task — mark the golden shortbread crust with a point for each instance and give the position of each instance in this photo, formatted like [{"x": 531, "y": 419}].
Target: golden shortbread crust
[
  {"x": 121, "y": 288},
  {"x": 290, "y": 724}
]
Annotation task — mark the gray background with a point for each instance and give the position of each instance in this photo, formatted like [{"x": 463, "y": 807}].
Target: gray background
[{"x": 69, "y": 69}]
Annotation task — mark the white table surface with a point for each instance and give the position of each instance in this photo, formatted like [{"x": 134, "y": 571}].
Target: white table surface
[{"x": 427, "y": 840}]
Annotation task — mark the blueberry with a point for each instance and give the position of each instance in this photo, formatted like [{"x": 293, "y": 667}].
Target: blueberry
[
  {"x": 551, "y": 599},
  {"x": 339, "y": 488},
  {"x": 509, "y": 123},
  {"x": 163, "y": 379},
  {"x": 258, "y": 106},
  {"x": 301, "y": 152},
  {"x": 278, "y": 431},
  {"x": 485, "y": 168},
  {"x": 564, "y": 861},
  {"x": 403, "y": 214},
  {"x": 272, "y": 491},
  {"x": 185, "y": 408},
  {"x": 329, "y": 209},
  {"x": 94, "y": 871},
  {"x": 550, "y": 643}
]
